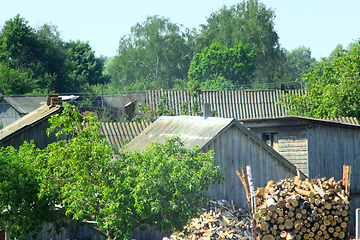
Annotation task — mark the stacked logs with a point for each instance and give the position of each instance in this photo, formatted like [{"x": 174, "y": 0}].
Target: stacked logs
[
  {"x": 296, "y": 209},
  {"x": 220, "y": 220}
]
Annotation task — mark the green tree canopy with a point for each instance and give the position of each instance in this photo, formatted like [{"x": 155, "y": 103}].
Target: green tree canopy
[
  {"x": 333, "y": 87},
  {"x": 22, "y": 209},
  {"x": 233, "y": 64},
  {"x": 155, "y": 51},
  {"x": 251, "y": 23},
  {"x": 39, "y": 62},
  {"x": 300, "y": 61}
]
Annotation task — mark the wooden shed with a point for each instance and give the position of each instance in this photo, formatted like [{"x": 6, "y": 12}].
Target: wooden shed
[
  {"x": 318, "y": 147},
  {"x": 30, "y": 127},
  {"x": 234, "y": 147}
]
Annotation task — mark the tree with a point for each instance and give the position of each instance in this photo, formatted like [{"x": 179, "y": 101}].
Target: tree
[
  {"x": 39, "y": 62},
  {"x": 162, "y": 186},
  {"x": 333, "y": 88},
  {"x": 300, "y": 61},
  {"x": 86, "y": 68},
  {"x": 155, "y": 51},
  {"x": 22, "y": 209},
  {"x": 18, "y": 46},
  {"x": 251, "y": 23},
  {"x": 233, "y": 64}
]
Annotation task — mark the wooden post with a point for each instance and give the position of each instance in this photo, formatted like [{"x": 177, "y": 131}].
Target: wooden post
[
  {"x": 346, "y": 178},
  {"x": 252, "y": 198},
  {"x": 245, "y": 183},
  {"x": 357, "y": 224}
]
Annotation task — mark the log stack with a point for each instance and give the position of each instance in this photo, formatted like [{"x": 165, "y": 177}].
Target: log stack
[
  {"x": 303, "y": 209},
  {"x": 220, "y": 220}
]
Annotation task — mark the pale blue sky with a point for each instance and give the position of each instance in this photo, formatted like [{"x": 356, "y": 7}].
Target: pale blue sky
[{"x": 317, "y": 24}]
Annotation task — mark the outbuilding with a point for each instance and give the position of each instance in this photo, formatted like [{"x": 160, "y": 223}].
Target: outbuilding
[
  {"x": 234, "y": 147},
  {"x": 318, "y": 147}
]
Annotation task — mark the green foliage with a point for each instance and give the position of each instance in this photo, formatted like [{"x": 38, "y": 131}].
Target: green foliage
[
  {"x": 150, "y": 115},
  {"x": 155, "y": 51},
  {"x": 300, "y": 61},
  {"x": 249, "y": 22},
  {"x": 39, "y": 62},
  {"x": 163, "y": 186},
  {"x": 334, "y": 88},
  {"x": 217, "y": 83},
  {"x": 234, "y": 65},
  {"x": 167, "y": 182},
  {"x": 22, "y": 209}
]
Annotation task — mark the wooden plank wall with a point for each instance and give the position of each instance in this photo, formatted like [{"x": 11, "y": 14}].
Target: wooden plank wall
[
  {"x": 8, "y": 114},
  {"x": 37, "y": 133},
  {"x": 292, "y": 143},
  {"x": 234, "y": 150},
  {"x": 331, "y": 147}
]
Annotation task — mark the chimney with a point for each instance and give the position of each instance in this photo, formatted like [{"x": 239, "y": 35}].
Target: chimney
[
  {"x": 53, "y": 100},
  {"x": 207, "y": 110}
]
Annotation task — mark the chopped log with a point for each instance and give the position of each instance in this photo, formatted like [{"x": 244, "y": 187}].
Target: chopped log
[{"x": 309, "y": 209}]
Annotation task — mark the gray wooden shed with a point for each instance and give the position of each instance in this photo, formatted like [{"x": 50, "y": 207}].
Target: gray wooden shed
[
  {"x": 30, "y": 127},
  {"x": 318, "y": 147},
  {"x": 234, "y": 147}
]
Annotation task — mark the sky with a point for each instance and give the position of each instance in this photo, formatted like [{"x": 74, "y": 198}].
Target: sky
[{"x": 316, "y": 24}]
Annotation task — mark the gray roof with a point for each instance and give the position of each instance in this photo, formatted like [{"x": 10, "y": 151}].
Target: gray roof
[
  {"x": 118, "y": 132},
  {"x": 195, "y": 131},
  {"x": 25, "y": 104},
  {"x": 35, "y": 116},
  {"x": 228, "y": 104},
  {"x": 294, "y": 120}
]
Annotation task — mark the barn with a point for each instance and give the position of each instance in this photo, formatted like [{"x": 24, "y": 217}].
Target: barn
[
  {"x": 234, "y": 147},
  {"x": 318, "y": 147},
  {"x": 31, "y": 127}
]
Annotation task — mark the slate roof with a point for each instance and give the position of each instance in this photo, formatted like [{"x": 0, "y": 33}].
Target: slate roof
[
  {"x": 25, "y": 104},
  {"x": 117, "y": 133},
  {"x": 228, "y": 104},
  {"x": 194, "y": 131},
  {"x": 293, "y": 120}
]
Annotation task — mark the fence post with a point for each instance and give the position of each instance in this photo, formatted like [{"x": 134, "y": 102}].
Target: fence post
[{"x": 357, "y": 224}]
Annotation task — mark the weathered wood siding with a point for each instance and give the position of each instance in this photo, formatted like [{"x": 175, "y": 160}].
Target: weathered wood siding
[
  {"x": 71, "y": 231},
  {"x": 234, "y": 150},
  {"x": 8, "y": 114},
  {"x": 292, "y": 142},
  {"x": 331, "y": 147},
  {"x": 37, "y": 133}
]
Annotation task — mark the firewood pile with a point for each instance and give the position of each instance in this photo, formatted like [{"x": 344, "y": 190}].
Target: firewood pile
[
  {"x": 303, "y": 209},
  {"x": 220, "y": 220}
]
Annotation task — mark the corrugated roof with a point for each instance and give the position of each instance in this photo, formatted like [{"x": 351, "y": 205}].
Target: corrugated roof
[
  {"x": 194, "y": 131},
  {"x": 351, "y": 120},
  {"x": 228, "y": 104},
  {"x": 118, "y": 132},
  {"x": 348, "y": 121},
  {"x": 25, "y": 104},
  {"x": 28, "y": 120}
]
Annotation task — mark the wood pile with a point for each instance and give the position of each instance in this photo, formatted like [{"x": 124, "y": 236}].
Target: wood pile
[
  {"x": 219, "y": 220},
  {"x": 303, "y": 209}
]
